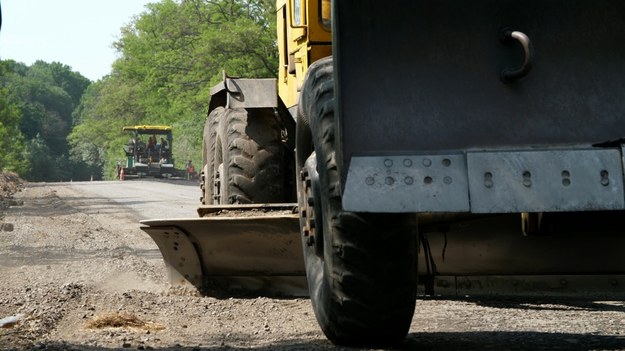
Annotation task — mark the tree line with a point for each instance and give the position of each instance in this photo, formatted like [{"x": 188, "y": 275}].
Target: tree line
[
  {"x": 55, "y": 124},
  {"x": 36, "y": 105}
]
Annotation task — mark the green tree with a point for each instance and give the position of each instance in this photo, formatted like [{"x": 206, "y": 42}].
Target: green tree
[
  {"x": 170, "y": 57},
  {"x": 105, "y": 108},
  {"x": 45, "y": 95},
  {"x": 11, "y": 139}
]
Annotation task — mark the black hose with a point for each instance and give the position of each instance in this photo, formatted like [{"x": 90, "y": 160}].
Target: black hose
[{"x": 430, "y": 266}]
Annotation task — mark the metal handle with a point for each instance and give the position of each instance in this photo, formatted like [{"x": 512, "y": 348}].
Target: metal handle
[{"x": 509, "y": 75}]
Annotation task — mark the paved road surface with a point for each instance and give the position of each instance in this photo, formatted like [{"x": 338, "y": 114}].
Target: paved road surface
[{"x": 149, "y": 199}]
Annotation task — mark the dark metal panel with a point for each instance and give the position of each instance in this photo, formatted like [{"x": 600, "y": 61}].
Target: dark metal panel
[
  {"x": 595, "y": 286},
  {"x": 568, "y": 243},
  {"x": 425, "y": 75}
]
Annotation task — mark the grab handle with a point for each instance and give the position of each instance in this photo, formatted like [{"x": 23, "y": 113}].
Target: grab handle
[{"x": 508, "y": 75}]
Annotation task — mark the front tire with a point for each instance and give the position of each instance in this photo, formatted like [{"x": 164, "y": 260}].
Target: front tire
[{"x": 361, "y": 267}]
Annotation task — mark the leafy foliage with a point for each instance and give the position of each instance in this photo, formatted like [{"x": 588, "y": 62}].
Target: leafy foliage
[
  {"x": 170, "y": 57},
  {"x": 61, "y": 126},
  {"x": 36, "y": 104},
  {"x": 11, "y": 139}
]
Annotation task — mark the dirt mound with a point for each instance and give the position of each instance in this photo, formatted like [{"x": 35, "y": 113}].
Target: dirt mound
[{"x": 10, "y": 184}]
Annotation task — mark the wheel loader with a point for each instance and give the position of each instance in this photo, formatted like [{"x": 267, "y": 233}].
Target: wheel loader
[{"x": 465, "y": 146}]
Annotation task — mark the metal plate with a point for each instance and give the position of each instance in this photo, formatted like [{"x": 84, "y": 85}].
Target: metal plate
[
  {"x": 250, "y": 253},
  {"x": 416, "y": 75},
  {"x": 250, "y": 93},
  {"x": 244, "y": 245},
  {"x": 181, "y": 259},
  {"x": 435, "y": 183},
  {"x": 545, "y": 181}
]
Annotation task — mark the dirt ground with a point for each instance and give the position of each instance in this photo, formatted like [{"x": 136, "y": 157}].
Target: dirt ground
[
  {"x": 78, "y": 277},
  {"x": 80, "y": 280}
]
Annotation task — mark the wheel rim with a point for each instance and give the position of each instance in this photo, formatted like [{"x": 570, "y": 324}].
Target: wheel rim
[
  {"x": 203, "y": 182},
  {"x": 311, "y": 218},
  {"x": 219, "y": 185}
]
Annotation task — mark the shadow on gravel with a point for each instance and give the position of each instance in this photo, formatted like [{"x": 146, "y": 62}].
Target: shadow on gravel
[
  {"x": 511, "y": 341},
  {"x": 278, "y": 346},
  {"x": 418, "y": 341},
  {"x": 52, "y": 205},
  {"x": 592, "y": 304},
  {"x": 32, "y": 256}
]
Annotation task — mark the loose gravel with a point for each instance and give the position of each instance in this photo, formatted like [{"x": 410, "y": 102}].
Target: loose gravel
[{"x": 77, "y": 273}]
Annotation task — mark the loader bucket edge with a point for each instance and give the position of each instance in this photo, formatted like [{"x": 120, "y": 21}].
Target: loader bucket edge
[
  {"x": 263, "y": 256},
  {"x": 260, "y": 254}
]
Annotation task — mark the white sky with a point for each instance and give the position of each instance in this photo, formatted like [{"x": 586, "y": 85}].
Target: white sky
[{"x": 77, "y": 33}]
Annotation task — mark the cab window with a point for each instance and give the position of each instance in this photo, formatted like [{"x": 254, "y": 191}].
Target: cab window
[{"x": 325, "y": 7}]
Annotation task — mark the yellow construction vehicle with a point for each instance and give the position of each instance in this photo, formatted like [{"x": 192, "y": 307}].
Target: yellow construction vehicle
[
  {"x": 478, "y": 141},
  {"x": 149, "y": 152}
]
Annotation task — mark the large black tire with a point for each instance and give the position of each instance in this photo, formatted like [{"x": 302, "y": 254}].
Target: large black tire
[
  {"x": 250, "y": 157},
  {"x": 209, "y": 172},
  {"x": 361, "y": 267}
]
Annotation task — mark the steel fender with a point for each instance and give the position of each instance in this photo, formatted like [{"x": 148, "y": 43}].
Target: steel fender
[{"x": 244, "y": 93}]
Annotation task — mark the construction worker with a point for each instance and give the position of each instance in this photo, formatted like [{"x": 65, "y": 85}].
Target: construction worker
[
  {"x": 190, "y": 171},
  {"x": 118, "y": 169}
]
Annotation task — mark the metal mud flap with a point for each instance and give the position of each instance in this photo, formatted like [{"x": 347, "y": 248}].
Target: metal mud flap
[
  {"x": 545, "y": 181},
  {"x": 487, "y": 182},
  {"x": 411, "y": 183}
]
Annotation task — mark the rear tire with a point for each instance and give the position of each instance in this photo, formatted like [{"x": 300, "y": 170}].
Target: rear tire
[
  {"x": 252, "y": 154},
  {"x": 362, "y": 275},
  {"x": 207, "y": 180}
]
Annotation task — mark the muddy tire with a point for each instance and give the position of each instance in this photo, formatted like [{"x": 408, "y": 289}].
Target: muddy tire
[
  {"x": 361, "y": 267},
  {"x": 251, "y": 154},
  {"x": 209, "y": 172}
]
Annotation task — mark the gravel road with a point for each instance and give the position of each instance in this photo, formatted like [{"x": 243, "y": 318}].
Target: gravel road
[{"x": 79, "y": 274}]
